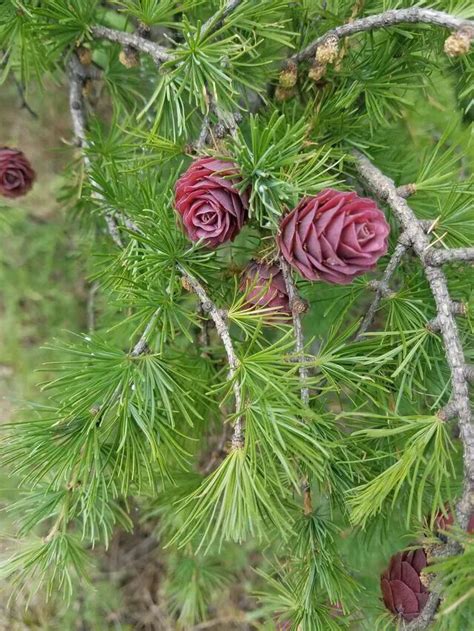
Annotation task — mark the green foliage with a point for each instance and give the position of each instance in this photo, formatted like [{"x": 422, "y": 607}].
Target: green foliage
[
  {"x": 318, "y": 496},
  {"x": 236, "y": 501},
  {"x": 53, "y": 563},
  {"x": 425, "y": 459},
  {"x": 278, "y": 168},
  {"x": 161, "y": 12}
]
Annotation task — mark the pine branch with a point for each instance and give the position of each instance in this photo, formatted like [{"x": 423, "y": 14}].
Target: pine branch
[
  {"x": 158, "y": 53},
  {"x": 440, "y": 257},
  {"x": 414, "y": 15},
  {"x": 79, "y": 125},
  {"x": 382, "y": 287},
  {"x": 384, "y": 188},
  {"x": 238, "y": 439}
]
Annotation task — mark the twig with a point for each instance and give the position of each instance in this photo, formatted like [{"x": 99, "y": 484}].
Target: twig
[
  {"x": 77, "y": 108},
  {"x": 296, "y": 307},
  {"x": 384, "y": 188},
  {"x": 440, "y": 257},
  {"x": 90, "y": 306},
  {"x": 383, "y": 286},
  {"x": 204, "y": 338},
  {"x": 214, "y": 22},
  {"x": 238, "y": 439},
  {"x": 78, "y": 116},
  {"x": 158, "y": 53},
  {"x": 23, "y": 102},
  {"x": 142, "y": 345},
  {"x": 414, "y": 15}
]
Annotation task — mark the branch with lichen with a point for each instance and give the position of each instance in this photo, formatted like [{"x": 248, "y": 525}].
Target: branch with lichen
[
  {"x": 158, "y": 53},
  {"x": 384, "y": 188},
  {"x": 414, "y": 15}
]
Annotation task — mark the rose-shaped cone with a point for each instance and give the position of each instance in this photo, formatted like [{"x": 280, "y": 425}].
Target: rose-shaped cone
[
  {"x": 210, "y": 206},
  {"x": 334, "y": 236},
  {"x": 403, "y": 592},
  {"x": 16, "y": 173},
  {"x": 265, "y": 287},
  {"x": 444, "y": 521}
]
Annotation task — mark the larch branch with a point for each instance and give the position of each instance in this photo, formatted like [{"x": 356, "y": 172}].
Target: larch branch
[
  {"x": 383, "y": 287},
  {"x": 414, "y": 15},
  {"x": 158, "y": 53},
  {"x": 295, "y": 306},
  {"x": 238, "y": 439},
  {"x": 384, "y": 188},
  {"x": 440, "y": 257},
  {"x": 214, "y": 22}
]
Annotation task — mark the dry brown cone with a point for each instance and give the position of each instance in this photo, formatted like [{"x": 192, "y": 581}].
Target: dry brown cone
[
  {"x": 327, "y": 52},
  {"x": 85, "y": 55},
  {"x": 317, "y": 71},
  {"x": 458, "y": 43},
  {"x": 283, "y": 94},
  {"x": 129, "y": 57},
  {"x": 288, "y": 76}
]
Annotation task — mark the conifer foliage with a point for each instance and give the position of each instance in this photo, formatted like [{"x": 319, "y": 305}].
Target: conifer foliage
[{"x": 279, "y": 206}]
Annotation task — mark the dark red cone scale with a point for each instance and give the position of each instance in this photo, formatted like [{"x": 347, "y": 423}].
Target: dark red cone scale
[{"x": 403, "y": 592}]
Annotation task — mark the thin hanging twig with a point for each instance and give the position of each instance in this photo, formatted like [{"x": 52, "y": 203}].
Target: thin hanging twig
[
  {"x": 296, "y": 306},
  {"x": 383, "y": 287},
  {"x": 238, "y": 438}
]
